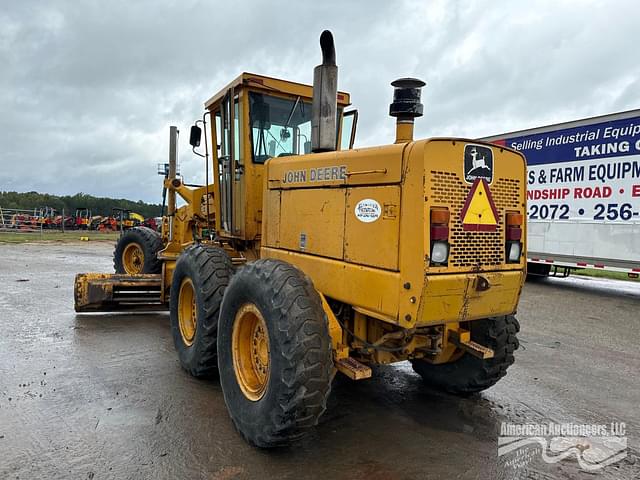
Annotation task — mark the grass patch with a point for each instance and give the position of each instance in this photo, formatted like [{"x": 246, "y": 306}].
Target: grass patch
[
  {"x": 591, "y": 272},
  {"x": 47, "y": 236}
]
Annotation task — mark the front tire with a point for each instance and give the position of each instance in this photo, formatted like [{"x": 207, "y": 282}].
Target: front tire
[
  {"x": 274, "y": 353},
  {"x": 199, "y": 281},
  {"x": 470, "y": 374},
  {"x": 137, "y": 252}
]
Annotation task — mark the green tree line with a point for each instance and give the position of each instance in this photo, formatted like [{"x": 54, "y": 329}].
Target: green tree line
[{"x": 97, "y": 205}]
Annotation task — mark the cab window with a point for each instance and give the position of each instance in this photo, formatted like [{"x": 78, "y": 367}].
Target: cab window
[{"x": 279, "y": 126}]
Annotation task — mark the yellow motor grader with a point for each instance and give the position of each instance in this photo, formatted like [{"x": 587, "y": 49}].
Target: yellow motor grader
[{"x": 303, "y": 257}]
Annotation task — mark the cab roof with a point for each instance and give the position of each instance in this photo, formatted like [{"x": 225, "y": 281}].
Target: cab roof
[{"x": 261, "y": 82}]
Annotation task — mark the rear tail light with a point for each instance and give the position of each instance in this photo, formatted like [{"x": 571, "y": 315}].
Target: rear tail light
[
  {"x": 439, "y": 234},
  {"x": 514, "y": 219},
  {"x": 439, "y": 253},
  {"x": 513, "y": 236},
  {"x": 440, "y": 216}
]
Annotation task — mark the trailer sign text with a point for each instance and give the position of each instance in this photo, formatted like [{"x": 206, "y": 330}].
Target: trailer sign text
[
  {"x": 583, "y": 192},
  {"x": 585, "y": 173}
]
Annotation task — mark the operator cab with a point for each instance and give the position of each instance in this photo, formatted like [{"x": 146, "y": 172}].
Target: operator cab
[{"x": 251, "y": 120}]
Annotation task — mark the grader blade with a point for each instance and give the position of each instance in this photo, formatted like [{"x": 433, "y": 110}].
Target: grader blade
[{"x": 105, "y": 292}]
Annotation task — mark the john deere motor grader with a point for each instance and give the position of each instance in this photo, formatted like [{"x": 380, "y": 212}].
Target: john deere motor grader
[{"x": 303, "y": 257}]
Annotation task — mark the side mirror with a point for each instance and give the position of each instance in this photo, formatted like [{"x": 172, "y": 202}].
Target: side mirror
[{"x": 194, "y": 136}]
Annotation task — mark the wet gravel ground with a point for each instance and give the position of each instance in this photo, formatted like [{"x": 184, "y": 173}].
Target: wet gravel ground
[{"x": 103, "y": 396}]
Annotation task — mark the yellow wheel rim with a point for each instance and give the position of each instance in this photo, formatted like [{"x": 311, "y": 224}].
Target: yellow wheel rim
[
  {"x": 250, "y": 347},
  {"x": 187, "y": 311},
  {"x": 133, "y": 258}
]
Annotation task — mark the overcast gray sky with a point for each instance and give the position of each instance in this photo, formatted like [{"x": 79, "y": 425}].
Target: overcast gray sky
[{"x": 88, "y": 89}]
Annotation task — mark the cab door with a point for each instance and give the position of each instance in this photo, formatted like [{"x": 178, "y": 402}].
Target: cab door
[{"x": 230, "y": 164}]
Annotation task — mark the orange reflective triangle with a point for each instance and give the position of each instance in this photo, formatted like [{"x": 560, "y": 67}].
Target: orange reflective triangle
[{"x": 479, "y": 213}]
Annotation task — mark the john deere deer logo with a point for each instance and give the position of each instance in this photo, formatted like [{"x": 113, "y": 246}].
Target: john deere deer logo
[{"x": 478, "y": 163}]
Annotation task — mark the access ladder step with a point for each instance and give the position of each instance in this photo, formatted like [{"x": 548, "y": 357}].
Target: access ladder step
[
  {"x": 353, "y": 368},
  {"x": 462, "y": 339}
]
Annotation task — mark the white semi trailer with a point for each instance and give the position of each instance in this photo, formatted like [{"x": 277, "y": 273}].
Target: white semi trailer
[{"x": 583, "y": 193}]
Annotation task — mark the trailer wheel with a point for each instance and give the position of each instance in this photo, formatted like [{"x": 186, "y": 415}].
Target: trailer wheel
[
  {"x": 469, "y": 374},
  {"x": 274, "y": 353},
  {"x": 137, "y": 252},
  {"x": 201, "y": 276}
]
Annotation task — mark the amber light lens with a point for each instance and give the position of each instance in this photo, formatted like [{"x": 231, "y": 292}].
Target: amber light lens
[
  {"x": 514, "y": 219},
  {"x": 439, "y": 216}
]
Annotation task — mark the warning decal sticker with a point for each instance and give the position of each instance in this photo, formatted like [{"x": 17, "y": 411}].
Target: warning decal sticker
[{"x": 479, "y": 213}]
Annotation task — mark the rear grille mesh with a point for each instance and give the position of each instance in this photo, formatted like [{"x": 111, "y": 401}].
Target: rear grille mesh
[{"x": 474, "y": 249}]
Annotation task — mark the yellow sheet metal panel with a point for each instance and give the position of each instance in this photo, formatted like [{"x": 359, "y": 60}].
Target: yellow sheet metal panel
[
  {"x": 366, "y": 166},
  {"x": 455, "y": 298},
  {"x": 373, "y": 289},
  {"x": 372, "y": 226},
  {"x": 412, "y": 233},
  {"x": 272, "y": 225},
  {"x": 312, "y": 221},
  {"x": 431, "y": 173}
]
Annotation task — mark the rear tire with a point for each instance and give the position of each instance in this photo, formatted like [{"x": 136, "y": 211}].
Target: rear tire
[
  {"x": 470, "y": 374},
  {"x": 202, "y": 273},
  {"x": 137, "y": 252},
  {"x": 277, "y": 393}
]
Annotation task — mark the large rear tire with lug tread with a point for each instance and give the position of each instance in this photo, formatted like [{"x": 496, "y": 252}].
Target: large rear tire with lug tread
[
  {"x": 137, "y": 252},
  {"x": 470, "y": 374},
  {"x": 274, "y": 353},
  {"x": 199, "y": 281}
]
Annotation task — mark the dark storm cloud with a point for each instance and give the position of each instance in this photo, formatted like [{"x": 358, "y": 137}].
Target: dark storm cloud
[{"x": 88, "y": 89}]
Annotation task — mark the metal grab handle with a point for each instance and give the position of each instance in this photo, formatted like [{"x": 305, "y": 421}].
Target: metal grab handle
[{"x": 365, "y": 172}]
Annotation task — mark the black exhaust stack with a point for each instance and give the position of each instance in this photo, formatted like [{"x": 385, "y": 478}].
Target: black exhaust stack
[
  {"x": 406, "y": 106},
  {"x": 324, "y": 111}
]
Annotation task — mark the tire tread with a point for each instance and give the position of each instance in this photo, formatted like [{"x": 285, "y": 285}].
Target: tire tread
[
  {"x": 469, "y": 375},
  {"x": 305, "y": 384},
  {"x": 213, "y": 269},
  {"x": 151, "y": 243}
]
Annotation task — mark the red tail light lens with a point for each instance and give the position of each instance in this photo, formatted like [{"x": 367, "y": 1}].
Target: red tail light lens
[
  {"x": 514, "y": 233},
  {"x": 439, "y": 233}
]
